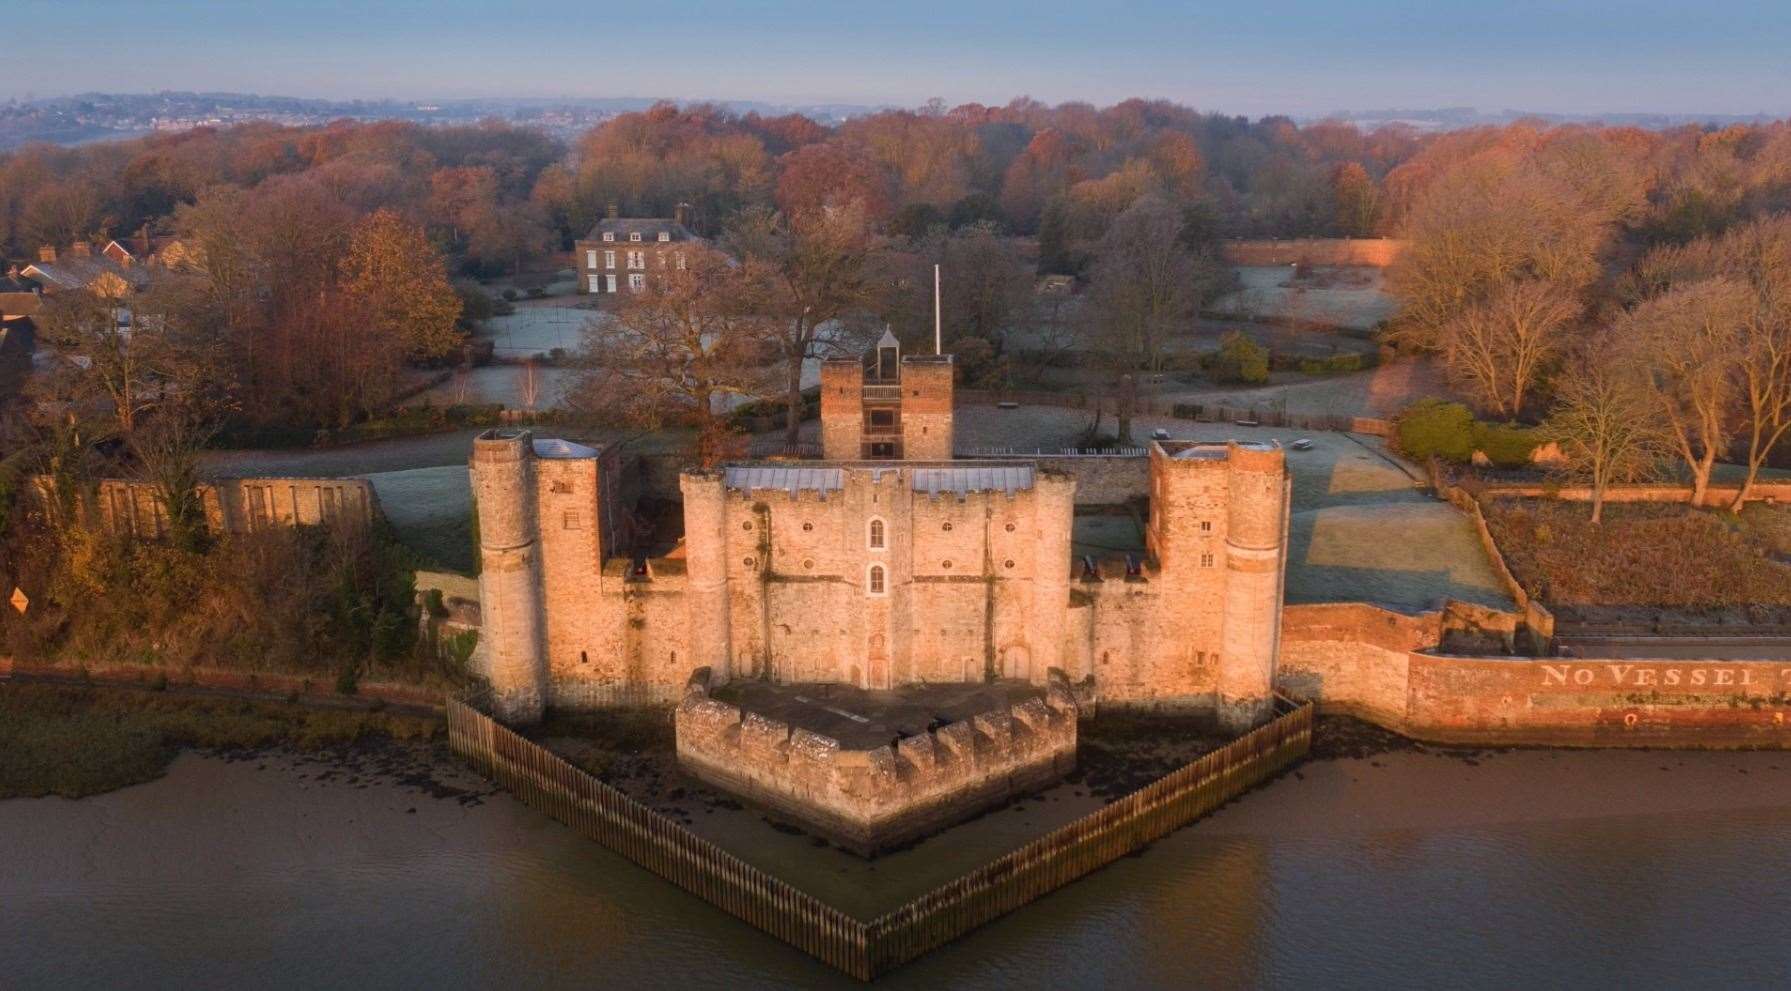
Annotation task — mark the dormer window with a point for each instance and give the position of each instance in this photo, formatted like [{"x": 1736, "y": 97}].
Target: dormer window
[
  {"x": 635, "y": 236},
  {"x": 609, "y": 235},
  {"x": 665, "y": 236}
]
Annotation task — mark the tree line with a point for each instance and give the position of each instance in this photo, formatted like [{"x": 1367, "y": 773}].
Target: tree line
[{"x": 1630, "y": 289}]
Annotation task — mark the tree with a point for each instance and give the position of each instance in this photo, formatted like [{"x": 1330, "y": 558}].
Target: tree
[
  {"x": 1358, "y": 201},
  {"x": 1687, "y": 341},
  {"x": 821, "y": 268},
  {"x": 817, "y": 176},
  {"x": 1604, "y": 420},
  {"x": 1240, "y": 360},
  {"x": 1499, "y": 347},
  {"x": 1146, "y": 284},
  {"x": 1760, "y": 254},
  {"x": 682, "y": 348},
  {"x": 399, "y": 280}
]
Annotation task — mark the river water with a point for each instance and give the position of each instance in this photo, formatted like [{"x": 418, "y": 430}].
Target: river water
[{"x": 1405, "y": 870}]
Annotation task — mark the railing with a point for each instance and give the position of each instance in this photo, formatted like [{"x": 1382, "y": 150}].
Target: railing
[
  {"x": 883, "y": 393},
  {"x": 865, "y": 949}
]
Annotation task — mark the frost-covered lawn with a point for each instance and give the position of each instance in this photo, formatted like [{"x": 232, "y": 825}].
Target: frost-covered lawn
[
  {"x": 431, "y": 510},
  {"x": 1342, "y": 297}
]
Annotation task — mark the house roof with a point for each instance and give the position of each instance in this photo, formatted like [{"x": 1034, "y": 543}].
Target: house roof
[
  {"x": 18, "y": 303},
  {"x": 649, "y": 228},
  {"x": 78, "y": 272}
]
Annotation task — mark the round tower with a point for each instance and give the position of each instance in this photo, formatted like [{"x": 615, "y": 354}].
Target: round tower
[
  {"x": 706, "y": 570},
  {"x": 1254, "y": 554},
  {"x": 503, "y": 478}
]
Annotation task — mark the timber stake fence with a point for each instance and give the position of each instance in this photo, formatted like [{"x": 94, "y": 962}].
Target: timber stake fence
[{"x": 865, "y": 950}]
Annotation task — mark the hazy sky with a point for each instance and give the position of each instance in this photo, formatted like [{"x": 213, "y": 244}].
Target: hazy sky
[{"x": 1716, "y": 56}]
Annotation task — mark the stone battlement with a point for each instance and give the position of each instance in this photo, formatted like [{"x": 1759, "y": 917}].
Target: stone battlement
[{"x": 870, "y": 799}]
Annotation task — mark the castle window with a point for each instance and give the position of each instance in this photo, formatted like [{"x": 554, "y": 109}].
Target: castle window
[
  {"x": 571, "y": 520},
  {"x": 946, "y": 527},
  {"x": 876, "y": 537},
  {"x": 1010, "y": 528},
  {"x": 560, "y": 487},
  {"x": 749, "y": 562},
  {"x": 1206, "y": 526},
  {"x": 747, "y": 525},
  {"x": 1008, "y": 563},
  {"x": 946, "y": 565},
  {"x": 806, "y": 527},
  {"x": 874, "y": 580},
  {"x": 1206, "y": 560}
]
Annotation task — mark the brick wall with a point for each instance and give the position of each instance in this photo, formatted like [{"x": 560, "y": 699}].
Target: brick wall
[
  {"x": 1376, "y": 252},
  {"x": 232, "y": 505}
]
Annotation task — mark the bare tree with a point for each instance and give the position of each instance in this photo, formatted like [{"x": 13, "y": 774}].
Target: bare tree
[
  {"x": 1499, "y": 347},
  {"x": 680, "y": 349},
  {"x": 1146, "y": 283},
  {"x": 1688, "y": 342},
  {"x": 1604, "y": 420},
  {"x": 1761, "y": 254},
  {"x": 821, "y": 266}
]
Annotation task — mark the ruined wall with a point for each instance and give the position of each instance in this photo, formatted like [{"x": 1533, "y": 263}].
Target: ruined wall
[
  {"x": 232, "y": 505},
  {"x": 1102, "y": 478},
  {"x": 1376, "y": 252},
  {"x": 875, "y": 799}
]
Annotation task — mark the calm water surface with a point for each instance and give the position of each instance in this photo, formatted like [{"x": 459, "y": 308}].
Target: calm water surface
[{"x": 1411, "y": 870}]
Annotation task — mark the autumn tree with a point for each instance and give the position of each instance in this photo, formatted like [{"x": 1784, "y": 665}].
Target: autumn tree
[
  {"x": 1603, "y": 418},
  {"x": 399, "y": 281},
  {"x": 682, "y": 350},
  {"x": 821, "y": 268}
]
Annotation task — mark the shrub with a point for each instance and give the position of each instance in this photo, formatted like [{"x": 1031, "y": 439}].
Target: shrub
[
  {"x": 509, "y": 295},
  {"x": 1336, "y": 364},
  {"x": 1506, "y": 445},
  {"x": 1239, "y": 359},
  {"x": 1434, "y": 428}
]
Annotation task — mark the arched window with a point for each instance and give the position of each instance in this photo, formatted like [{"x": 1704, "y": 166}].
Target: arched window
[
  {"x": 876, "y": 537},
  {"x": 875, "y": 583}
]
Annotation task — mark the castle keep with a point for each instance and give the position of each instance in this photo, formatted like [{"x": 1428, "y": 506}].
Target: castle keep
[{"x": 887, "y": 563}]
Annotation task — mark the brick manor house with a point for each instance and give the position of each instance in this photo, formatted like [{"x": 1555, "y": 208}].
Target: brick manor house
[{"x": 621, "y": 254}]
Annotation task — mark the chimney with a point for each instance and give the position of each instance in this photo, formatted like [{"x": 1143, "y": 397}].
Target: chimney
[
  {"x": 46, "y": 253},
  {"x": 682, "y": 214},
  {"x": 81, "y": 249},
  {"x": 612, "y": 211}
]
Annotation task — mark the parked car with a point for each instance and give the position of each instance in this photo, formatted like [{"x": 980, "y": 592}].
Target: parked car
[{"x": 1303, "y": 444}]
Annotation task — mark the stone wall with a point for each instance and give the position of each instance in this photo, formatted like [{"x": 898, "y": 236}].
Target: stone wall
[
  {"x": 1103, "y": 478},
  {"x": 1376, "y": 252},
  {"x": 1365, "y": 661},
  {"x": 879, "y": 798},
  {"x": 232, "y": 505}
]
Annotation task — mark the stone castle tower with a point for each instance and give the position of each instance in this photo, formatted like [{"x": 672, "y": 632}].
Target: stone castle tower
[{"x": 885, "y": 563}]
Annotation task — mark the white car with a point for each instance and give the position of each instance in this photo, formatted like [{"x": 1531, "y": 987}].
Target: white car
[{"x": 1303, "y": 444}]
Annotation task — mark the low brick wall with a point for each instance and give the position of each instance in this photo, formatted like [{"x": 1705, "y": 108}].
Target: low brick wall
[
  {"x": 1377, "y": 252},
  {"x": 1716, "y": 495},
  {"x": 876, "y": 799},
  {"x": 232, "y": 505},
  {"x": 1381, "y": 666}
]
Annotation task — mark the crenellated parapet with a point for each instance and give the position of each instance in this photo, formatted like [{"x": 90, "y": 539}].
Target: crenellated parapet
[{"x": 875, "y": 798}]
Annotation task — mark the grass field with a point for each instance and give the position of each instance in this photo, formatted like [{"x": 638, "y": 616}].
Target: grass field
[{"x": 1351, "y": 298}]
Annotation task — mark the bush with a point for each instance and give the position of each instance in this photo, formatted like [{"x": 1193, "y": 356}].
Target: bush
[
  {"x": 1434, "y": 428},
  {"x": 1336, "y": 364},
  {"x": 1507, "y": 445},
  {"x": 1239, "y": 360},
  {"x": 509, "y": 295}
]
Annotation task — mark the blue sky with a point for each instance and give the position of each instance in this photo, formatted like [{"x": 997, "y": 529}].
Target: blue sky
[{"x": 1713, "y": 56}]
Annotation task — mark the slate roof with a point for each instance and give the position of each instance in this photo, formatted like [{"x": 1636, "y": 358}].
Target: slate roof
[
  {"x": 76, "y": 272},
  {"x": 973, "y": 478},
  {"x": 649, "y": 229},
  {"x": 746, "y": 478}
]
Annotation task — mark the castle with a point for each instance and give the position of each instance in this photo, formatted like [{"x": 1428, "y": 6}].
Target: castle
[{"x": 886, "y": 563}]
